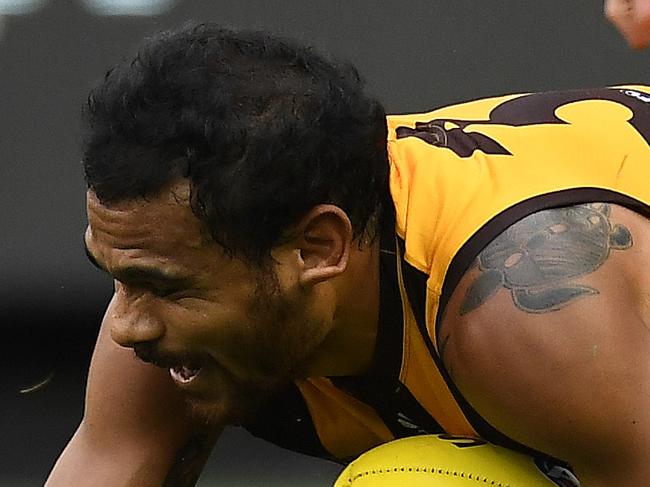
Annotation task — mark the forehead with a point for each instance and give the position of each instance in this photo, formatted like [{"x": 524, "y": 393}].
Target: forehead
[{"x": 163, "y": 223}]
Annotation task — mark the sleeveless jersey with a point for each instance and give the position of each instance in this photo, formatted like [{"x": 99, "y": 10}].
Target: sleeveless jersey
[{"x": 459, "y": 176}]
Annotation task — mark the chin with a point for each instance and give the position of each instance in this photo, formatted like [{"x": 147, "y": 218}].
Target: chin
[
  {"x": 208, "y": 412},
  {"x": 225, "y": 409},
  {"x": 217, "y": 397}
]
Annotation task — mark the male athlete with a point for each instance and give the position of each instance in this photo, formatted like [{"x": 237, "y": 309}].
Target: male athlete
[{"x": 288, "y": 259}]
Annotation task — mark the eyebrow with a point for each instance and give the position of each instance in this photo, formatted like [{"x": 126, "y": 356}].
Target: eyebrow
[{"x": 138, "y": 273}]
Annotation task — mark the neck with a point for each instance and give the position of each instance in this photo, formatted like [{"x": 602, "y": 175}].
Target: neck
[{"x": 349, "y": 347}]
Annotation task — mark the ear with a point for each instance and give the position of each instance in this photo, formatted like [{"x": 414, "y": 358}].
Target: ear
[{"x": 323, "y": 238}]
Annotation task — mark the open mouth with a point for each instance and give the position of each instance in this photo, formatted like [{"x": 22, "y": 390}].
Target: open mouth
[
  {"x": 183, "y": 373},
  {"x": 183, "y": 369}
]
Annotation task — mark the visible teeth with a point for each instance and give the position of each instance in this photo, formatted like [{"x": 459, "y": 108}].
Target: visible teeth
[{"x": 183, "y": 373}]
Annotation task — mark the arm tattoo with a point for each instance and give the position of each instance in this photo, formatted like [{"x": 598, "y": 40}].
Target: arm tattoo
[
  {"x": 538, "y": 258},
  {"x": 186, "y": 470}
]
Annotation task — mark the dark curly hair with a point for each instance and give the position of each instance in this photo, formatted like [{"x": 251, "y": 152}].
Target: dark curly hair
[{"x": 263, "y": 128}]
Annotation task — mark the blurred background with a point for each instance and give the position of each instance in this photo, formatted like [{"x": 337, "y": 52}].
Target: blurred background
[{"x": 415, "y": 55}]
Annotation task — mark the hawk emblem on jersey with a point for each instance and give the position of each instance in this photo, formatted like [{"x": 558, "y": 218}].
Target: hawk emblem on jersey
[
  {"x": 462, "y": 143},
  {"x": 520, "y": 111},
  {"x": 538, "y": 258}
]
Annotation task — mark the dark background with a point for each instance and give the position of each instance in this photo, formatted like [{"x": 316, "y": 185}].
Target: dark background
[{"x": 416, "y": 55}]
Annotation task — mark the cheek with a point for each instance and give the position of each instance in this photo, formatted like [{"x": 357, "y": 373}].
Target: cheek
[
  {"x": 285, "y": 335},
  {"x": 221, "y": 330},
  {"x": 192, "y": 322},
  {"x": 252, "y": 339},
  {"x": 261, "y": 336}
]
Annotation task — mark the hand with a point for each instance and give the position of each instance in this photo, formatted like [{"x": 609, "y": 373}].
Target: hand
[{"x": 632, "y": 19}]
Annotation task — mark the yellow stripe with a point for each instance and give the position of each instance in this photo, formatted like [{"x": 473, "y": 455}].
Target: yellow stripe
[
  {"x": 345, "y": 426},
  {"x": 421, "y": 376}
]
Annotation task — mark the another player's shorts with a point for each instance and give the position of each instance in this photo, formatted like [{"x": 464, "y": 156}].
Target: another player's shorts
[{"x": 446, "y": 461}]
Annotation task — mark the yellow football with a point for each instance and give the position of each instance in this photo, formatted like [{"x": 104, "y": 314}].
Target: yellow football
[{"x": 447, "y": 461}]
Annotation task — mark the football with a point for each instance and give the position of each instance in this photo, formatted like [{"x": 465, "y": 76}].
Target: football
[{"x": 449, "y": 461}]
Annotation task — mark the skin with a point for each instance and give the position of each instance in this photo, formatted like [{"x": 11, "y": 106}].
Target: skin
[
  {"x": 632, "y": 19},
  {"x": 178, "y": 298},
  {"x": 565, "y": 368}
]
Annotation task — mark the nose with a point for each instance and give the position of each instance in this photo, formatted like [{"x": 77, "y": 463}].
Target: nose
[{"x": 131, "y": 320}]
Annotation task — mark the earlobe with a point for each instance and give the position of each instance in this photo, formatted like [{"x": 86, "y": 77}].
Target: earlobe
[{"x": 325, "y": 240}]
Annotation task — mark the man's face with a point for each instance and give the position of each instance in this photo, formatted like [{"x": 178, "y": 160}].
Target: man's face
[{"x": 228, "y": 332}]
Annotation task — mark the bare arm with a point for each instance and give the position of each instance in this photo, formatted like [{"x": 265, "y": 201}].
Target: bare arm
[
  {"x": 632, "y": 19},
  {"x": 136, "y": 429},
  {"x": 548, "y": 337}
]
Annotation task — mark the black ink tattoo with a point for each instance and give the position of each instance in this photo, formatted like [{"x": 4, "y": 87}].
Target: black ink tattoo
[
  {"x": 186, "y": 470},
  {"x": 538, "y": 258}
]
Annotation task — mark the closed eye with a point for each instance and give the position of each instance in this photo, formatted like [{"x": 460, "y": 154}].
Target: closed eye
[
  {"x": 166, "y": 292},
  {"x": 157, "y": 281}
]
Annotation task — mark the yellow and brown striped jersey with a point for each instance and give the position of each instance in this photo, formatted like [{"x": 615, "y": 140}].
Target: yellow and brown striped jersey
[{"x": 460, "y": 176}]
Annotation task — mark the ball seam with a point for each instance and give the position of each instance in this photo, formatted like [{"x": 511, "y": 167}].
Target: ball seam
[{"x": 431, "y": 471}]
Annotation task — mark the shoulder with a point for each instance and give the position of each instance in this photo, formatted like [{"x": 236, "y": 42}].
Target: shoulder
[
  {"x": 541, "y": 259},
  {"x": 546, "y": 334}
]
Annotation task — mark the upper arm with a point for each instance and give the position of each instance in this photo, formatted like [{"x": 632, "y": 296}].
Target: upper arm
[
  {"x": 548, "y": 337},
  {"x": 135, "y": 427}
]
